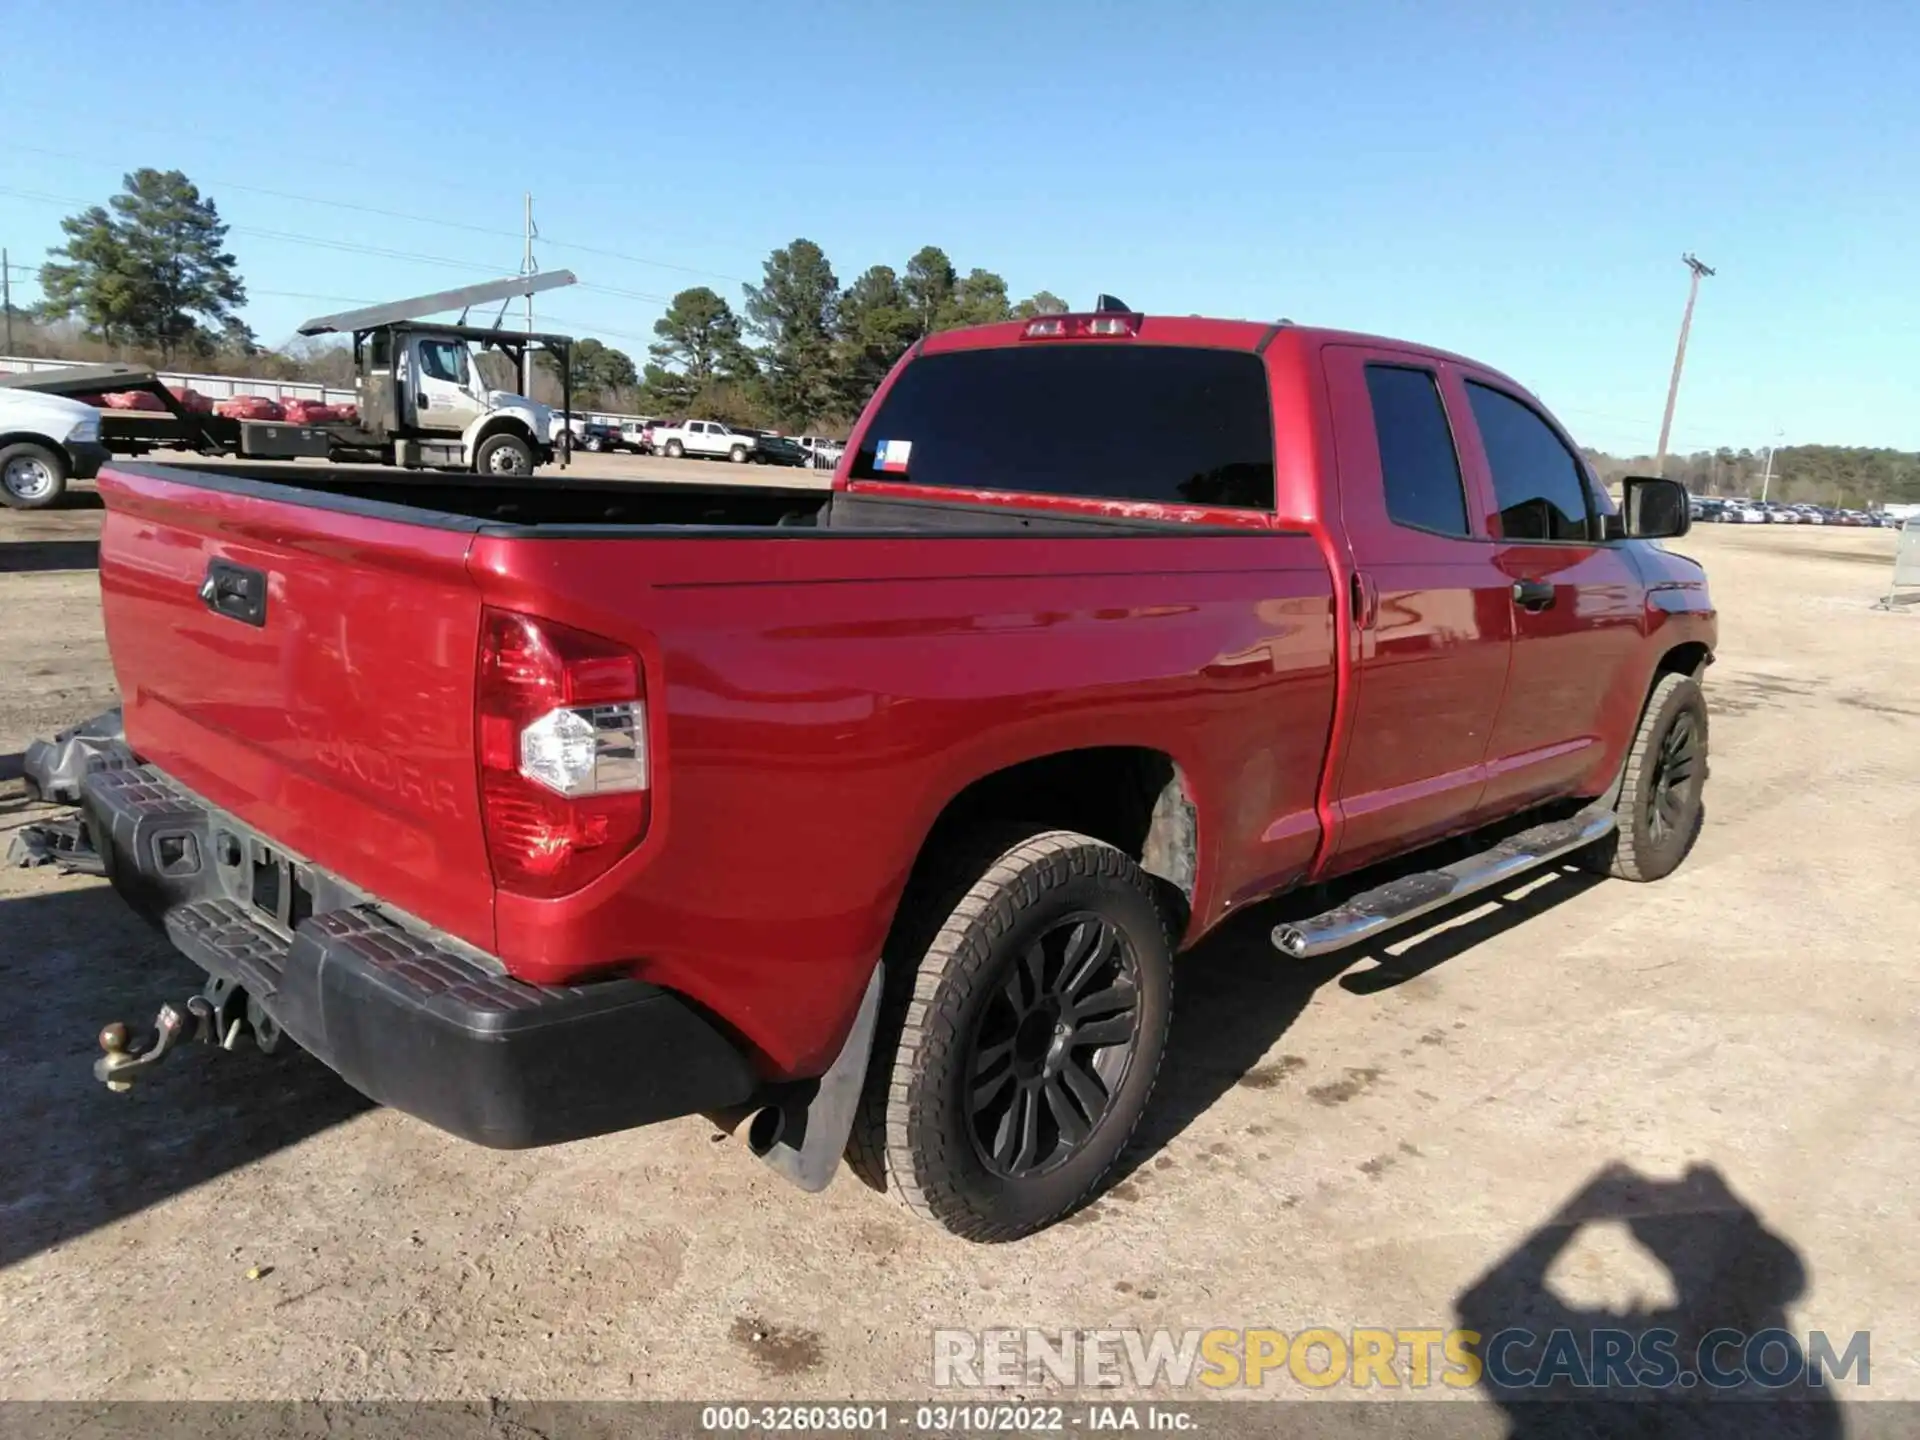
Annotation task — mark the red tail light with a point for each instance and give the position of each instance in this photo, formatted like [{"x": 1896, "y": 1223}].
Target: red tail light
[{"x": 561, "y": 730}]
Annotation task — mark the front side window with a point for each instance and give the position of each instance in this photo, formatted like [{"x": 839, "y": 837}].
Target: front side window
[
  {"x": 444, "y": 360},
  {"x": 1122, "y": 421},
  {"x": 1539, "y": 485},
  {"x": 1418, "y": 465}
]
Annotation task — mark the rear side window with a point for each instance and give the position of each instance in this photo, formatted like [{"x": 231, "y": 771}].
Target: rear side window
[
  {"x": 1121, "y": 421},
  {"x": 1538, "y": 483},
  {"x": 1418, "y": 465}
]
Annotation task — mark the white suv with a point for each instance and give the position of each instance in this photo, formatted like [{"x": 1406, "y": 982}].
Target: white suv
[{"x": 705, "y": 439}]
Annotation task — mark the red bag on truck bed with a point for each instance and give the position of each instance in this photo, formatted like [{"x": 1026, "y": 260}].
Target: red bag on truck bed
[
  {"x": 193, "y": 402},
  {"x": 250, "y": 407},
  {"x": 308, "y": 412},
  {"x": 133, "y": 400}
]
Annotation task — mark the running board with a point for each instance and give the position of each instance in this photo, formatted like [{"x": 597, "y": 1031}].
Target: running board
[{"x": 1397, "y": 901}]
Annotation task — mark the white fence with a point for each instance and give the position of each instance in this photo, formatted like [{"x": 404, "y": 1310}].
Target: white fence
[{"x": 216, "y": 387}]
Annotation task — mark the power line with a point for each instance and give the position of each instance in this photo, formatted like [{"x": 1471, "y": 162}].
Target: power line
[
  {"x": 385, "y": 213},
  {"x": 356, "y": 248},
  {"x": 637, "y": 260},
  {"x": 629, "y": 294}
]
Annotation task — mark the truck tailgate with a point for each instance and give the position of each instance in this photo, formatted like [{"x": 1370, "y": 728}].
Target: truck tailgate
[{"x": 338, "y": 719}]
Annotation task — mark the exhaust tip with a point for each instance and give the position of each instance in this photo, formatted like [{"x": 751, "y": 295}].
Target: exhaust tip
[
  {"x": 765, "y": 1129},
  {"x": 1289, "y": 941}
]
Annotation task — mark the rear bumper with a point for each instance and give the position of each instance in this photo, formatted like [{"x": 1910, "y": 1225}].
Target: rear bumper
[
  {"x": 418, "y": 1022},
  {"x": 87, "y": 456}
]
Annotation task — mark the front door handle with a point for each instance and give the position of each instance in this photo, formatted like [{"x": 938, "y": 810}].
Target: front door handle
[{"x": 1533, "y": 594}]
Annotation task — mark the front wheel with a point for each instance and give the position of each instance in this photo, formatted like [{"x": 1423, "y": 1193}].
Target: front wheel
[
  {"x": 504, "y": 455},
  {"x": 1659, "y": 805},
  {"x": 738, "y": 454},
  {"x": 1023, "y": 1041},
  {"x": 32, "y": 477}
]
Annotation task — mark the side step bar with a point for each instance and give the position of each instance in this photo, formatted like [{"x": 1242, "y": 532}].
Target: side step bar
[{"x": 1385, "y": 906}]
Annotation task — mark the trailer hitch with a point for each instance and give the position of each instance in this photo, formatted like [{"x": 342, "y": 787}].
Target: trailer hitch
[{"x": 213, "y": 1017}]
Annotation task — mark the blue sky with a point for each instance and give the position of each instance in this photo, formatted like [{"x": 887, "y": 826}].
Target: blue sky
[{"x": 1513, "y": 181}]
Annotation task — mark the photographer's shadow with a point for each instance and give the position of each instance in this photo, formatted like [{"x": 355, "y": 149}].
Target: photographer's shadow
[{"x": 1728, "y": 1273}]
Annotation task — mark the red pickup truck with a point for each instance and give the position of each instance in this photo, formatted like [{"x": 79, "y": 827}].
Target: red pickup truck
[{"x": 871, "y": 820}]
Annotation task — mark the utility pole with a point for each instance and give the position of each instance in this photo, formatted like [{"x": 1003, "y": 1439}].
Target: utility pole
[
  {"x": 6, "y": 296},
  {"x": 1679, "y": 359},
  {"x": 1766, "y": 475},
  {"x": 528, "y": 266}
]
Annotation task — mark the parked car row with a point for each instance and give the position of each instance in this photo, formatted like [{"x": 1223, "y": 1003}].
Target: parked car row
[
  {"x": 1737, "y": 511},
  {"x": 699, "y": 440},
  {"x": 741, "y": 444}
]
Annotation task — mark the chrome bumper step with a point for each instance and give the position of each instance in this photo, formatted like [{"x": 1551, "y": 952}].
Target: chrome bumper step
[{"x": 1398, "y": 901}]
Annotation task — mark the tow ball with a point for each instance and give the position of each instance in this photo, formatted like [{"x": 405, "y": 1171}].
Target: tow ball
[{"x": 218, "y": 1015}]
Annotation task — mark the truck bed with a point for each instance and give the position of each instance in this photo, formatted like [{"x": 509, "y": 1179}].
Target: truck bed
[
  {"x": 555, "y": 504},
  {"x": 548, "y": 500}
]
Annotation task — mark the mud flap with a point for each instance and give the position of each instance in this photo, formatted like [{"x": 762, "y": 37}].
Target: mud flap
[{"x": 803, "y": 1134}]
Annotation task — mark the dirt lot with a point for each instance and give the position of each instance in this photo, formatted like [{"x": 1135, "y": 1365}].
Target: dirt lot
[{"x": 1351, "y": 1143}]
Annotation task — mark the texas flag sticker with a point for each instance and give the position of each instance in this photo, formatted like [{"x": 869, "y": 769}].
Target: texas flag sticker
[{"x": 892, "y": 455}]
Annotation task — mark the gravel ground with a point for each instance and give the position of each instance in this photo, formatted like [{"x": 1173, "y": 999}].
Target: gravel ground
[{"x": 1381, "y": 1139}]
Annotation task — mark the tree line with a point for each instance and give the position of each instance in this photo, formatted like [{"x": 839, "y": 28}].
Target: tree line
[
  {"x": 148, "y": 277},
  {"x": 1850, "y": 476}
]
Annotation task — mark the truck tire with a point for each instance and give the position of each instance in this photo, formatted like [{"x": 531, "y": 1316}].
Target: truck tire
[
  {"x": 738, "y": 454},
  {"x": 32, "y": 477},
  {"x": 675, "y": 450},
  {"x": 1022, "y": 1041},
  {"x": 1659, "y": 801},
  {"x": 503, "y": 454}
]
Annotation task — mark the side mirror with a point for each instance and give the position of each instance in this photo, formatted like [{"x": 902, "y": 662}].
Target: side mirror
[{"x": 1655, "y": 509}]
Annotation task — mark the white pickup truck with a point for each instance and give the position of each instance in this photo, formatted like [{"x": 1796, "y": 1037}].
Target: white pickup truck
[
  {"x": 45, "y": 441},
  {"x": 704, "y": 440}
]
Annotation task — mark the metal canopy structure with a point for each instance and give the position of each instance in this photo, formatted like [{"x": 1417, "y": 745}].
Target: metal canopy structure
[
  {"x": 83, "y": 379},
  {"x": 396, "y": 312}
]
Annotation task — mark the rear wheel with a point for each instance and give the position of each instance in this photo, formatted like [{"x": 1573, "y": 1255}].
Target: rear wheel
[
  {"x": 675, "y": 450},
  {"x": 1021, "y": 1047},
  {"x": 504, "y": 455},
  {"x": 1660, "y": 796},
  {"x": 32, "y": 477},
  {"x": 738, "y": 454}
]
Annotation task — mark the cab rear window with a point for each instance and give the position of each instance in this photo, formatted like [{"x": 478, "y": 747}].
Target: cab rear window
[{"x": 1172, "y": 424}]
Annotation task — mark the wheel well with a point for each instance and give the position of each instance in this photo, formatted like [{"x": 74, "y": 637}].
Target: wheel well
[
  {"x": 45, "y": 442},
  {"x": 1688, "y": 659},
  {"x": 505, "y": 424},
  {"x": 1135, "y": 799}
]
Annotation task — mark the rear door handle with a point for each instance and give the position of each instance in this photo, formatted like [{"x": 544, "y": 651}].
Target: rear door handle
[
  {"x": 236, "y": 592},
  {"x": 1533, "y": 594}
]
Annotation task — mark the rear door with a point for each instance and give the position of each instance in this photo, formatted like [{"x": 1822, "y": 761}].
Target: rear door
[
  {"x": 310, "y": 670},
  {"x": 1433, "y": 606},
  {"x": 1577, "y": 603}
]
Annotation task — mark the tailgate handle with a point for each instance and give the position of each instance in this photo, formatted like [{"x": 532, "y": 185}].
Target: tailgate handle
[{"x": 235, "y": 591}]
